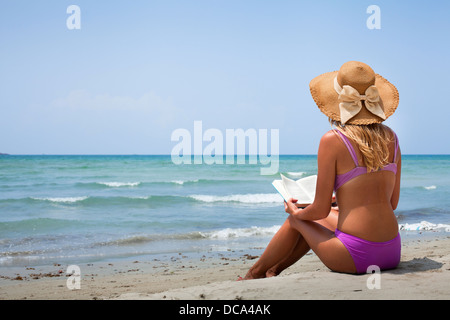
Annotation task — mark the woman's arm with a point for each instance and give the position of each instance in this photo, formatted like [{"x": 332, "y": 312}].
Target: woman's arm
[{"x": 326, "y": 162}]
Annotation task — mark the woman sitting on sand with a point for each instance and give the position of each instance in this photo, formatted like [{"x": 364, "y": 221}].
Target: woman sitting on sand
[{"x": 360, "y": 160}]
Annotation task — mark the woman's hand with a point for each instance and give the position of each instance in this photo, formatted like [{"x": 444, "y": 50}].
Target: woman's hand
[{"x": 290, "y": 206}]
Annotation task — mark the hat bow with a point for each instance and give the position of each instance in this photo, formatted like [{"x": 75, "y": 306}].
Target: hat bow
[{"x": 351, "y": 101}]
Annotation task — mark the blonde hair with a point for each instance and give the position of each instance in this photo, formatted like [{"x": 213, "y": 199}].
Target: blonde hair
[{"x": 372, "y": 141}]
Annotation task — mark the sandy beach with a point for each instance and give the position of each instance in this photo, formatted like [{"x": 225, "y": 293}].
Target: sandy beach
[{"x": 424, "y": 273}]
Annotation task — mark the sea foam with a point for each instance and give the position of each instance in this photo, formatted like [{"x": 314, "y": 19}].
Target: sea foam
[
  {"x": 425, "y": 226},
  {"x": 181, "y": 182},
  {"x": 228, "y": 233},
  {"x": 242, "y": 198},
  {"x": 119, "y": 184},
  {"x": 295, "y": 174},
  {"x": 62, "y": 200}
]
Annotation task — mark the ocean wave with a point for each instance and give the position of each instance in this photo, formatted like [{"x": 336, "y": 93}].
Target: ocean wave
[
  {"x": 181, "y": 182},
  {"x": 295, "y": 174},
  {"x": 242, "y": 198},
  {"x": 37, "y": 224},
  {"x": 424, "y": 226},
  {"x": 62, "y": 199},
  {"x": 140, "y": 184},
  {"x": 239, "y": 233},
  {"x": 12, "y": 254},
  {"x": 430, "y": 187},
  {"x": 251, "y": 198},
  {"x": 228, "y": 233},
  {"x": 119, "y": 184},
  {"x": 142, "y": 239},
  {"x": 98, "y": 200},
  {"x": 207, "y": 181},
  {"x": 222, "y": 234}
]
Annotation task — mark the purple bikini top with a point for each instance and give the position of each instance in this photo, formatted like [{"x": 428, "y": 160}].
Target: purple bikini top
[{"x": 341, "y": 179}]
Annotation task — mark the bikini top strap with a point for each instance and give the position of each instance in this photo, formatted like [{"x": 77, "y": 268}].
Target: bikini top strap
[
  {"x": 349, "y": 147},
  {"x": 396, "y": 146}
]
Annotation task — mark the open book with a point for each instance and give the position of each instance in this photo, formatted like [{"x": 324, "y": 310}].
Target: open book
[{"x": 304, "y": 189}]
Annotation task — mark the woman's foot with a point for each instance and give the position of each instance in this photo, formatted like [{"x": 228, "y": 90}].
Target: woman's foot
[
  {"x": 271, "y": 273},
  {"x": 252, "y": 274}
]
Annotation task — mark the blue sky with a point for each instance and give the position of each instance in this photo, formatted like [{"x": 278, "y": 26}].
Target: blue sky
[{"x": 138, "y": 70}]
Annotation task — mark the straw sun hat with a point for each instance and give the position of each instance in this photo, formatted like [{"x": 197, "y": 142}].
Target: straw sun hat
[{"x": 354, "y": 95}]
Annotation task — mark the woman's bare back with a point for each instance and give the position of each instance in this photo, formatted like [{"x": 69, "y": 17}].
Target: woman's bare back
[{"x": 366, "y": 202}]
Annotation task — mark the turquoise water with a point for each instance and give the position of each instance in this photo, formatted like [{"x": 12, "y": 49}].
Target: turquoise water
[{"x": 90, "y": 208}]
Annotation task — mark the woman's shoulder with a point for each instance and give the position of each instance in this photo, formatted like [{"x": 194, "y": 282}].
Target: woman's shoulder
[
  {"x": 329, "y": 137},
  {"x": 329, "y": 146},
  {"x": 330, "y": 140}
]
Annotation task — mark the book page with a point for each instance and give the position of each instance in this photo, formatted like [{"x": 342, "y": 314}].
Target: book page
[
  {"x": 308, "y": 186},
  {"x": 296, "y": 191},
  {"x": 278, "y": 184}
]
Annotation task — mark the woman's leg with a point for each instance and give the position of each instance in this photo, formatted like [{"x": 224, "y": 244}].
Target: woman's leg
[
  {"x": 302, "y": 246},
  {"x": 330, "y": 250},
  {"x": 289, "y": 244},
  {"x": 299, "y": 251},
  {"x": 280, "y": 247}
]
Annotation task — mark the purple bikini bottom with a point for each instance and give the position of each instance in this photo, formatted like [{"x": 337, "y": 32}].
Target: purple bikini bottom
[{"x": 384, "y": 255}]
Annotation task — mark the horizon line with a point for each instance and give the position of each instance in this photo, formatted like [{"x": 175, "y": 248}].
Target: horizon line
[{"x": 163, "y": 154}]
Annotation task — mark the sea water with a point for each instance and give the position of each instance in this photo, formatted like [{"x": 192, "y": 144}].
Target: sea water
[{"x": 75, "y": 209}]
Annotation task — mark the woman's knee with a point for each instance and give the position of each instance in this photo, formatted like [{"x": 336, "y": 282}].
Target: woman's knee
[
  {"x": 291, "y": 221},
  {"x": 295, "y": 223}
]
